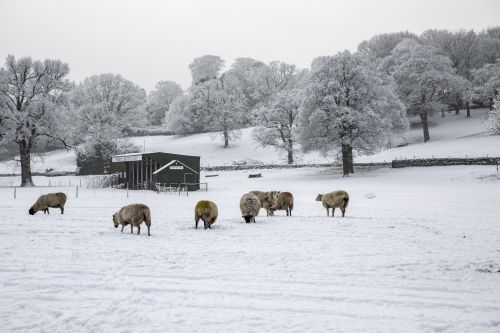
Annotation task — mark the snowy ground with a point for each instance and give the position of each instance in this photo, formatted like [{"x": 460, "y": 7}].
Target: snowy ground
[
  {"x": 455, "y": 136},
  {"x": 422, "y": 256}
]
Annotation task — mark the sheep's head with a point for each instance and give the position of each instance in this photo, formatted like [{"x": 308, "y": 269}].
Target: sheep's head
[
  {"x": 319, "y": 197},
  {"x": 115, "y": 221},
  {"x": 273, "y": 198},
  {"x": 248, "y": 218},
  {"x": 32, "y": 211}
]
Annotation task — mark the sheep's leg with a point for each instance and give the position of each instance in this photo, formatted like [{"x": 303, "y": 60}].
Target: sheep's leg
[
  {"x": 205, "y": 224},
  {"x": 333, "y": 211},
  {"x": 62, "y": 210},
  {"x": 123, "y": 226},
  {"x": 138, "y": 229},
  {"x": 327, "y": 211},
  {"x": 131, "y": 228},
  {"x": 343, "y": 211},
  {"x": 196, "y": 220},
  {"x": 148, "y": 229}
]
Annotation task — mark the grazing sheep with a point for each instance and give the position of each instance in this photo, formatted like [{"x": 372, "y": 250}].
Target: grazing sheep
[
  {"x": 333, "y": 200},
  {"x": 249, "y": 207},
  {"x": 284, "y": 202},
  {"x": 52, "y": 200},
  {"x": 134, "y": 215},
  {"x": 207, "y": 212},
  {"x": 267, "y": 200}
]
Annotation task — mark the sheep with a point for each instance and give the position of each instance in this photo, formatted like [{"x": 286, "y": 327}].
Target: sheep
[
  {"x": 134, "y": 215},
  {"x": 284, "y": 202},
  {"x": 53, "y": 200},
  {"x": 207, "y": 212},
  {"x": 267, "y": 200},
  {"x": 249, "y": 207},
  {"x": 333, "y": 200}
]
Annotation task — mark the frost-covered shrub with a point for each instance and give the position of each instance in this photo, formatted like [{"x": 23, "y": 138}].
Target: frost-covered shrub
[
  {"x": 96, "y": 154},
  {"x": 493, "y": 122}
]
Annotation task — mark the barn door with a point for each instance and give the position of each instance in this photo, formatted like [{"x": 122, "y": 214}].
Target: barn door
[{"x": 189, "y": 178}]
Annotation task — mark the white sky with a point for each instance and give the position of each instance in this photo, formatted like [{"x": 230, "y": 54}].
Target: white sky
[{"x": 148, "y": 41}]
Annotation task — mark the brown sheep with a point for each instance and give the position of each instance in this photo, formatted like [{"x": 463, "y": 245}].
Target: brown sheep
[
  {"x": 52, "y": 200},
  {"x": 134, "y": 215},
  {"x": 333, "y": 200},
  {"x": 207, "y": 212},
  {"x": 249, "y": 207},
  {"x": 267, "y": 200},
  {"x": 285, "y": 202}
]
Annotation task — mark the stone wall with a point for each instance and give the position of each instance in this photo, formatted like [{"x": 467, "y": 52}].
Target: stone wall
[
  {"x": 289, "y": 166},
  {"x": 424, "y": 162}
]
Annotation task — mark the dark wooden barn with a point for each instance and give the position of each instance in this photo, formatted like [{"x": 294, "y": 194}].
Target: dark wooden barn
[{"x": 144, "y": 170}]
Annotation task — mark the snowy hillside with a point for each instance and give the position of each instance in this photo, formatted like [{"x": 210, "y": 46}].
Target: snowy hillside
[
  {"x": 406, "y": 260},
  {"x": 455, "y": 136}
]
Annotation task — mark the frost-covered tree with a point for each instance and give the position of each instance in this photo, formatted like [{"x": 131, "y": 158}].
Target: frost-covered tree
[
  {"x": 487, "y": 82},
  {"x": 159, "y": 100},
  {"x": 488, "y": 46},
  {"x": 460, "y": 46},
  {"x": 458, "y": 94},
  {"x": 277, "y": 123},
  {"x": 205, "y": 68},
  {"x": 245, "y": 73},
  {"x": 349, "y": 105},
  {"x": 493, "y": 122},
  {"x": 422, "y": 75},
  {"x": 105, "y": 105},
  {"x": 32, "y": 97},
  {"x": 381, "y": 46},
  {"x": 227, "y": 115},
  {"x": 179, "y": 118},
  {"x": 222, "y": 103},
  {"x": 276, "y": 77},
  {"x": 488, "y": 49}
]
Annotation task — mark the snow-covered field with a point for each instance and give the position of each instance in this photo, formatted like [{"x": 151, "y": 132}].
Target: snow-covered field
[
  {"x": 455, "y": 136},
  {"x": 423, "y": 255}
]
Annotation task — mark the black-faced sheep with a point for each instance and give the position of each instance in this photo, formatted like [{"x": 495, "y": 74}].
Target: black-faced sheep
[
  {"x": 249, "y": 207},
  {"x": 333, "y": 200},
  {"x": 207, "y": 212},
  {"x": 134, "y": 215},
  {"x": 267, "y": 200},
  {"x": 284, "y": 202},
  {"x": 52, "y": 200}
]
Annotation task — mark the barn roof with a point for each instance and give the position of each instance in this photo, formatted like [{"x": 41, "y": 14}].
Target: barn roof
[
  {"x": 170, "y": 163},
  {"x": 130, "y": 157}
]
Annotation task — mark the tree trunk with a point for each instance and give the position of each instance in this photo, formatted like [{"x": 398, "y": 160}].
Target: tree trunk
[
  {"x": 457, "y": 109},
  {"x": 290, "y": 151},
  {"x": 347, "y": 164},
  {"x": 491, "y": 103},
  {"x": 226, "y": 138},
  {"x": 25, "y": 155},
  {"x": 467, "y": 105},
  {"x": 425, "y": 126}
]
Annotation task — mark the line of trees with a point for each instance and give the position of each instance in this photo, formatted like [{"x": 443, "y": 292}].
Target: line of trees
[{"x": 343, "y": 104}]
